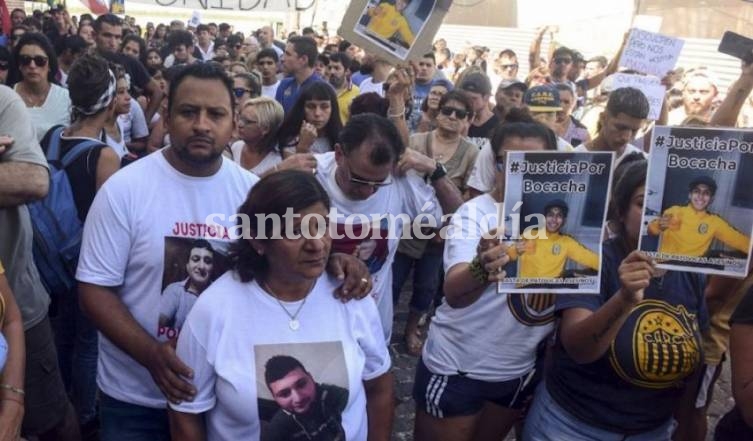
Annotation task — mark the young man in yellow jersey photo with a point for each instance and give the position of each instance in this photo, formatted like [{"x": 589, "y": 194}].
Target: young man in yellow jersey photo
[
  {"x": 546, "y": 256},
  {"x": 387, "y": 21},
  {"x": 690, "y": 229}
]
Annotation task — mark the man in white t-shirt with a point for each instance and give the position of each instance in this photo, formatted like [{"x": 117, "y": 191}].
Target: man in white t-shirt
[
  {"x": 123, "y": 256},
  {"x": 375, "y": 83},
  {"x": 124, "y": 261},
  {"x": 624, "y": 115},
  {"x": 267, "y": 62},
  {"x": 358, "y": 178}
]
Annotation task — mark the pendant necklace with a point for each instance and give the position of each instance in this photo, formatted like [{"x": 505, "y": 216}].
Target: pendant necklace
[{"x": 293, "y": 324}]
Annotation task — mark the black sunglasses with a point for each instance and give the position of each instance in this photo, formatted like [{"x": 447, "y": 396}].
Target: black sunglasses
[
  {"x": 460, "y": 113},
  {"x": 509, "y": 66},
  {"x": 25, "y": 60}
]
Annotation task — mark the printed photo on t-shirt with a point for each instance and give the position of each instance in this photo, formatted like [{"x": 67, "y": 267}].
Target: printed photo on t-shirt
[
  {"x": 191, "y": 265},
  {"x": 367, "y": 242},
  {"x": 698, "y": 203},
  {"x": 302, "y": 391},
  {"x": 555, "y": 211}
]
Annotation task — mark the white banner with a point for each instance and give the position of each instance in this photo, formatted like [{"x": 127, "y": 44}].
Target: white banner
[{"x": 231, "y": 5}]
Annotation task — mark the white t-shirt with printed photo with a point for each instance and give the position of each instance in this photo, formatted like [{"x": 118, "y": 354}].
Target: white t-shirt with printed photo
[
  {"x": 495, "y": 338},
  {"x": 230, "y": 333},
  {"x": 410, "y": 195},
  {"x": 133, "y": 215}
]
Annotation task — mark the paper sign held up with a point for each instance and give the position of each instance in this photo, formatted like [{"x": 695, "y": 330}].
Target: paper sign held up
[
  {"x": 650, "y": 86},
  {"x": 651, "y": 53},
  {"x": 396, "y": 32}
]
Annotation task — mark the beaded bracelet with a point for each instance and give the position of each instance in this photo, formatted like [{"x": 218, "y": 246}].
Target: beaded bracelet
[
  {"x": 478, "y": 271},
  {"x": 12, "y": 389}
]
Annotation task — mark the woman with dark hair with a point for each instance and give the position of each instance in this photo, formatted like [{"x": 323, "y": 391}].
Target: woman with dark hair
[
  {"x": 93, "y": 89},
  {"x": 430, "y": 106},
  {"x": 135, "y": 47},
  {"x": 277, "y": 278},
  {"x": 313, "y": 124},
  {"x": 153, "y": 59},
  {"x": 158, "y": 41},
  {"x": 448, "y": 145},
  {"x": 637, "y": 342},
  {"x": 33, "y": 78},
  {"x": 476, "y": 391}
]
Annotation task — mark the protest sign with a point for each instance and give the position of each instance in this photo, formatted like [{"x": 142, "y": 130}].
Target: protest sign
[
  {"x": 554, "y": 215},
  {"x": 233, "y": 5},
  {"x": 698, "y": 207},
  {"x": 651, "y": 53},
  {"x": 195, "y": 19},
  {"x": 396, "y": 31},
  {"x": 649, "y": 85}
]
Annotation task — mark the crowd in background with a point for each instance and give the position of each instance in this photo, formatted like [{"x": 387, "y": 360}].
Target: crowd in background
[{"x": 171, "y": 123}]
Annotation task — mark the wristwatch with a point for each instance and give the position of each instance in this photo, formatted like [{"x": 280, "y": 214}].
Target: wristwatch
[{"x": 439, "y": 172}]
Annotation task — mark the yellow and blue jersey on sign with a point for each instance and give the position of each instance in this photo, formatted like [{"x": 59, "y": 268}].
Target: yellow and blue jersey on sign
[
  {"x": 547, "y": 257},
  {"x": 691, "y": 232},
  {"x": 387, "y": 21}
]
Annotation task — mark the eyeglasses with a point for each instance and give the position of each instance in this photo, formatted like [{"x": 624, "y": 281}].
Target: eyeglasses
[
  {"x": 355, "y": 179},
  {"x": 460, "y": 113},
  {"x": 239, "y": 91},
  {"x": 509, "y": 66},
  {"x": 563, "y": 60},
  {"x": 25, "y": 60},
  {"x": 246, "y": 122}
]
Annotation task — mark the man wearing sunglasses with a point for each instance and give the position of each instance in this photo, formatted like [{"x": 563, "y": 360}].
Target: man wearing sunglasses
[
  {"x": 507, "y": 65},
  {"x": 359, "y": 177}
]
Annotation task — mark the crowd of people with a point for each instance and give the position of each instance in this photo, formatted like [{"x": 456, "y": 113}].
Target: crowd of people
[{"x": 151, "y": 321}]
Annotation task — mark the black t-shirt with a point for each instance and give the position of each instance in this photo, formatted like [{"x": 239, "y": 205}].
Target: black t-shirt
[
  {"x": 635, "y": 385},
  {"x": 743, "y": 314},
  {"x": 82, "y": 173},
  {"x": 484, "y": 130},
  {"x": 138, "y": 73}
]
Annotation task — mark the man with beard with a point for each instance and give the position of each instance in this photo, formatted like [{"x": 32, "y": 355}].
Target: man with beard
[
  {"x": 123, "y": 251},
  {"x": 178, "y": 297},
  {"x": 698, "y": 93},
  {"x": 122, "y": 254},
  {"x": 339, "y": 78}
]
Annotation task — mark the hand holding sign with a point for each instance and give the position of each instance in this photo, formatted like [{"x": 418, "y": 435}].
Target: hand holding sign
[{"x": 651, "y": 53}]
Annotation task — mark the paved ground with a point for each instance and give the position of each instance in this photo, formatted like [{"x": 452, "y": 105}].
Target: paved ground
[{"x": 404, "y": 365}]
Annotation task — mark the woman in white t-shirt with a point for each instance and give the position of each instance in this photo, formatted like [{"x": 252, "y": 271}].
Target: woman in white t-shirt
[
  {"x": 34, "y": 78},
  {"x": 274, "y": 355},
  {"x": 478, "y": 366},
  {"x": 313, "y": 124},
  {"x": 258, "y": 121}
]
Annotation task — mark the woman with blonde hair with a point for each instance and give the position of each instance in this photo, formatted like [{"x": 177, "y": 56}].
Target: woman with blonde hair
[{"x": 258, "y": 122}]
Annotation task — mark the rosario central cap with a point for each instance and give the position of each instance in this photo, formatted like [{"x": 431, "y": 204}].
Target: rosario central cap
[{"x": 542, "y": 99}]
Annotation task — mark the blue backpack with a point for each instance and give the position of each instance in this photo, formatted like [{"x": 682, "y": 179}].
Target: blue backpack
[{"x": 57, "y": 228}]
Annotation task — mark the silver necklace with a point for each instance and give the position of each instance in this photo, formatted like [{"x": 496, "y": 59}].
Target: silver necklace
[{"x": 294, "y": 324}]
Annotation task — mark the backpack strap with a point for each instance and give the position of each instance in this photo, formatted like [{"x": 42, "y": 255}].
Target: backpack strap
[
  {"x": 78, "y": 150},
  {"x": 53, "y": 148}
]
